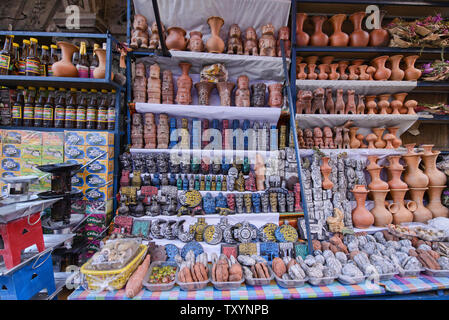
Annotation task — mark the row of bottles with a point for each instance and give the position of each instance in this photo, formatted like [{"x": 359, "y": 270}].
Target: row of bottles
[
  {"x": 61, "y": 109},
  {"x": 27, "y": 62}
]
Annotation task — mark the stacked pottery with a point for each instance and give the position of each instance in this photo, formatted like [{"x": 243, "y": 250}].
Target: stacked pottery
[
  {"x": 437, "y": 182},
  {"x": 379, "y": 190},
  {"x": 398, "y": 188},
  {"x": 361, "y": 217}
]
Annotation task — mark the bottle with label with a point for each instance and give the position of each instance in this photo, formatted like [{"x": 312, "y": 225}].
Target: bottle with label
[
  {"x": 83, "y": 63},
  {"x": 39, "y": 108},
  {"x": 49, "y": 109},
  {"x": 14, "y": 65},
  {"x": 92, "y": 111},
  {"x": 53, "y": 59},
  {"x": 95, "y": 62},
  {"x": 60, "y": 109},
  {"x": 23, "y": 57},
  {"x": 17, "y": 107},
  {"x": 45, "y": 61},
  {"x": 33, "y": 65},
  {"x": 111, "y": 112},
  {"x": 81, "y": 110},
  {"x": 102, "y": 117},
  {"x": 6, "y": 55},
  {"x": 70, "y": 110},
  {"x": 28, "y": 109}
]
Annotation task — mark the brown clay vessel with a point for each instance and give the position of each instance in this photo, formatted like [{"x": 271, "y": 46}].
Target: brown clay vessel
[
  {"x": 382, "y": 73},
  {"x": 380, "y": 144},
  {"x": 65, "y": 67},
  {"x": 410, "y": 105},
  {"x": 176, "y": 39},
  {"x": 434, "y": 205},
  {"x": 374, "y": 170},
  {"x": 338, "y": 38},
  {"x": 382, "y": 216},
  {"x": 429, "y": 157},
  {"x": 371, "y": 105},
  {"x": 215, "y": 44},
  {"x": 400, "y": 213},
  {"x": 326, "y": 169},
  {"x": 361, "y": 217},
  {"x": 383, "y": 103},
  {"x": 397, "y": 74},
  {"x": 319, "y": 38},
  {"x": 411, "y": 73},
  {"x": 302, "y": 38},
  {"x": 421, "y": 214},
  {"x": 397, "y": 141},
  {"x": 379, "y": 37},
  {"x": 359, "y": 37}
]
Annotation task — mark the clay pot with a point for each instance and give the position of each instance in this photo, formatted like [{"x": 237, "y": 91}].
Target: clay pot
[
  {"x": 327, "y": 60},
  {"x": 398, "y": 102},
  {"x": 384, "y": 103},
  {"x": 353, "y": 69},
  {"x": 371, "y": 71},
  {"x": 311, "y": 59},
  {"x": 225, "y": 91},
  {"x": 323, "y": 74},
  {"x": 312, "y": 74},
  {"x": 395, "y": 181},
  {"x": 196, "y": 41},
  {"x": 371, "y": 104},
  {"x": 411, "y": 73},
  {"x": 319, "y": 38},
  {"x": 371, "y": 139},
  {"x": 65, "y": 67},
  {"x": 382, "y": 73},
  {"x": 338, "y": 38},
  {"x": 326, "y": 169},
  {"x": 413, "y": 176},
  {"x": 429, "y": 157},
  {"x": 380, "y": 144},
  {"x": 334, "y": 75},
  {"x": 397, "y": 141},
  {"x": 176, "y": 39},
  {"x": 421, "y": 214},
  {"x": 382, "y": 216},
  {"x": 379, "y": 37},
  {"x": 362, "y": 72},
  {"x": 410, "y": 105},
  {"x": 204, "y": 89},
  {"x": 374, "y": 170},
  {"x": 360, "y": 104},
  {"x": 342, "y": 65},
  {"x": 215, "y": 44},
  {"x": 302, "y": 75},
  {"x": 361, "y": 217},
  {"x": 359, "y": 37},
  {"x": 358, "y": 62},
  {"x": 400, "y": 213},
  {"x": 389, "y": 138},
  {"x": 360, "y": 137},
  {"x": 99, "y": 72},
  {"x": 397, "y": 74},
  {"x": 434, "y": 205},
  {"x": 302, "y": 38},
  {"x": 353, "y": 143}
]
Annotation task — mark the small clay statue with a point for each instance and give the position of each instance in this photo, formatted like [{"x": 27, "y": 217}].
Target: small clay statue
[
  {"x": 338, "y": 141},
  {"x": 139, "y": 34},
  {"x": 242, "y": 94},
  {"x": 301, "y": 142},
  {"x": 346, "y": 139},
  {"x": 235, "y": 45},
  {"x": 167, "y": 87},
  {"x": 154, "y": 84},
  {"x": 137, "y": 131},
  {"x": 267, "y": 43},
  {"x": 304, "y": 103},
  {"x": 258, "y": 94},
  {"x": 163, "y": 132},
  {"x": 155, "y": 42},
  {"x": 330, "y": 105},
  {"x": 196, "y": 41},
  {"x": 150, "y": 131},
  {"x": 275, "y": 98},
  {"x": 260, "y": 173},
  {"x": 361, "y": 104},
  {"x": 350, "y": 105},
  {"x": 251, "y": 42},
  {"x": 328, "y": 138},
  {"x": 318, "y": 101},
  {"x": 309, "y": 138},
  {"x": 284, "y": 34},
  {"x": 184, "y": 83},
  {"x": 318, "y": 137},
  {"x": 140, "y": 84},
  {"x": 340, "y": 103},
  {"x": 248, "y": 203}
]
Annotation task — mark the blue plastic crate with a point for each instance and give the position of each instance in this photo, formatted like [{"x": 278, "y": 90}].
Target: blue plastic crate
[{"x": 29, "y": 280}]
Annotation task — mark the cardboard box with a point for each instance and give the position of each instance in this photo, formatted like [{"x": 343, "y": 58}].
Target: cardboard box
[
  {"x": 53, "y": 139},
  {"x": 100, "y": 166},
  {"x": 32, "y": 137},
  {"x": 96, "y": 194},
  {"x": 74, "y": 138},
  {"x": 12, "y": 136},
  {"x": 11, "y": 151},
  {"x": 99, "y": 138},
  {"x": 29, "y": 166},
  {"x": 53, "y": 153},
  {"x": 74, "y": 152},
  {"x": 10, "y": 164},
  {"x": 6, "y": 174},
  {"x": 78, "y": 180},
  {"x": 31, "y": 151},
  {"x": 93, "y": 180},
  {"x": 93, "y": 151}
]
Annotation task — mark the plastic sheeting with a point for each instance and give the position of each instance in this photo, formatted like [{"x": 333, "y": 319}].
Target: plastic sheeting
[{"x": 360, "y": 86}]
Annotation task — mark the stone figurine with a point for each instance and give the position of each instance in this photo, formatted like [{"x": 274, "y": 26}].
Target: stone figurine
[
  {"x": 318, "y": 101},
  {"x": 239, "y": 203},
  {"x": 242, "y": 94},
  {"x": 137, "y": 131},
  {"x": 235, "y": 45},
  {"x": 251, "y": 42},
  {"x": 275, "y": 97},
  {"x": 150, "y": 131},
  {"x": 318, "y": 138},
  {"x": 163, "y": 132},
  {"x": 167, "y": 87},
  {"x": 283, "y": 34},
  {"x": 267, "y": 43},
  {"x": 140, "y": 84},
  {"x": 139, "y": 34},
  {"x": 155, "y": 42}
]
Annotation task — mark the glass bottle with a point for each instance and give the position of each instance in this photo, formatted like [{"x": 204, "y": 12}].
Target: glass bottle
[
  {"x": 111, "y": 112},
  {"x": 60, "y": 109},
  {"x": 23, "y": 57},
  {"x": 70, "y": 110},
  {"x": 6, "y": 55},
  {"x": 53, "y": 59},
  {"x": 95, "y": 62},
  {"x": 45, "y": 61},
  {"x": 92, "y": 111},
  {"x": 17, "y": 107},
  {"x": 49, "y": 109},
  {"x": 39, "y": 107},
  {"x": 102, "y": 116},
  {"x": 28, "y": 109},
  {"x": 14, "y": 65},
  {"x": 33, "y": 63},
  {"x": 83, "y": 63},
  {"x": 81, "y": 110}
]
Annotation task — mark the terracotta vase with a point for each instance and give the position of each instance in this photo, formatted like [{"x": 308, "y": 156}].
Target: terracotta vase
[
  {"x": 360, "y": 104},
  {"x": 358, "y": 62},
  {"x": 225, "y": 91},
  {"x": 196, "y": 41},
  {"x": 311, "y": 59},
  {"x": 323, "y": 74},
  {"x": 371, "y": 71},
  {"x": 359, "y": 37},
  {"x": 394, "y": 179},
  {"x": 397, "y": 74},
  {"x": 382, "y": 73},
  {"x": 353, "y": 142},
  {"x": 99, "y": 72},
  {"x": 334, "y": 75},
  {"x": 371, "y": 139},
  {"x": 384, "y": 103},
  {"x": 411, "y": 73},
  {"x": 413, "y": 176},
  {"x": 353, "y": 69},
  {"x": 65, "y": 67},
  {"x": 312, "y": 75},
  {"x": 379, "y": 37},
  {"x": 382, "y": 216},
  {"x": 361, "y": 217},
  {"x": 374, "y": 170},
  {"x": 342, "y": 66},
  {"x": 326, "y": 169},
  {"x": 338, "y": 38},
  {"x": 215, "y": 44},
  {"x": 362, "y": 72},
  {"x": 397, "y": 141},
  {"x": 184, "y": 83},
  {"x": 204, "y": 88},
  {"x": 176, "y": 39},
  {"x": 319, "y": 38},
  {"x": 327, "y": 60},
  {"x": 421, "y": 214},
  {"x": 434, "y": 205},
  {"x": 394, "y": 164},
  {"x": 429, "y": 157},
  {"x": 302, "y": 38},
  {"x": 400, "y": 212},
  {"x": 380, "y": 144},
  {"x": 398, "y": 102},
  {"x": 410, "y": 105},
  {"x": 302, "y": 75},
  {"x": 371, "y": 104}
]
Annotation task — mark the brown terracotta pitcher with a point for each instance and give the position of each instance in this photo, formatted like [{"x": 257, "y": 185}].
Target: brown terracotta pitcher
[
  {"x": 354, "y": 143},
  {"x": 397, "y": 74},
  {"x": 176, "y": 39},
  {"x": 382, "y": 216},
  {"x": 413, "y": 176},
  {"x": 400, "y": 212},
  {"x": 411, "y": 73},
  {"x": 338, "y": 38},
  {"x": 326, "y": 169},
  {"x": 397, "y": 141},
  {"x": 359, "y": 37},
  {"x": 434, "y": 205},
  {"x": 302, "y": 38},
  {"x": 382, "y": 72},
  {"x": 379, "y": 37},
  {"x": 429, "y": 157},
  {"x": 319, "y": 38},
  {"x": 421, "y": 214},
  {"x": 65, "y": 67},
  {"x": 374, "y": 170},
  {"x": 361, "y": 217}
]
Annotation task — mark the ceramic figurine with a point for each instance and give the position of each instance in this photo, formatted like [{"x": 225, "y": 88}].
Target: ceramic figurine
[
  {"x": 208, "y": 183},
  {"x": 275, "y": 98},
  {"x": 318, "y": 138},
  {"x": 304, "y": 103},
  {"x": 350, "y": 105},
  {"x": 137, "y": 131},
  {"x": 196, "y": 42},
  {"x": 225, "y": 91},
  {"x": 230, "y": 199},
  {"x": 176, "y": 39},
  {"x": 308, "y": 134},
  {"x": 340, "y": 103},
  {"x": 329, "y": 105},
  {"x": 251, "y": 43},
  {"x": 163, "y": 132},
  {"x": 155, "y": 208},
  {"x": 267, "y": 43},
  {"x": 248, "y": 203},
  {"x": 184, "y": 83},
  {"x": 235, "y": 45},
  {"x": 155, "y": 42},
  {"x": 283, "y": 34},
  {"x": 318, "y": 101},
  {"x": 239, "y": 203},
  {"x": 209, "y": 203},
  {"x": 242, "y": 94},
  {"x": 265, "y": 202},
  {"x": 167, "y": 87},
  {"x": 140, "y": 84},
  {"x": 282, "y": 202},
  {"x": 273, "y": 202},
  {"x": 240, "y": 183},
  {"x": 256, "y": 202},
  {"x": 361, "y": 104},
  {"x": 150, "y": 131},
  {"x": 328, "y": 138},
  {"x": 139, "y": 34},
  {"x": 258, "y": 94}
]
